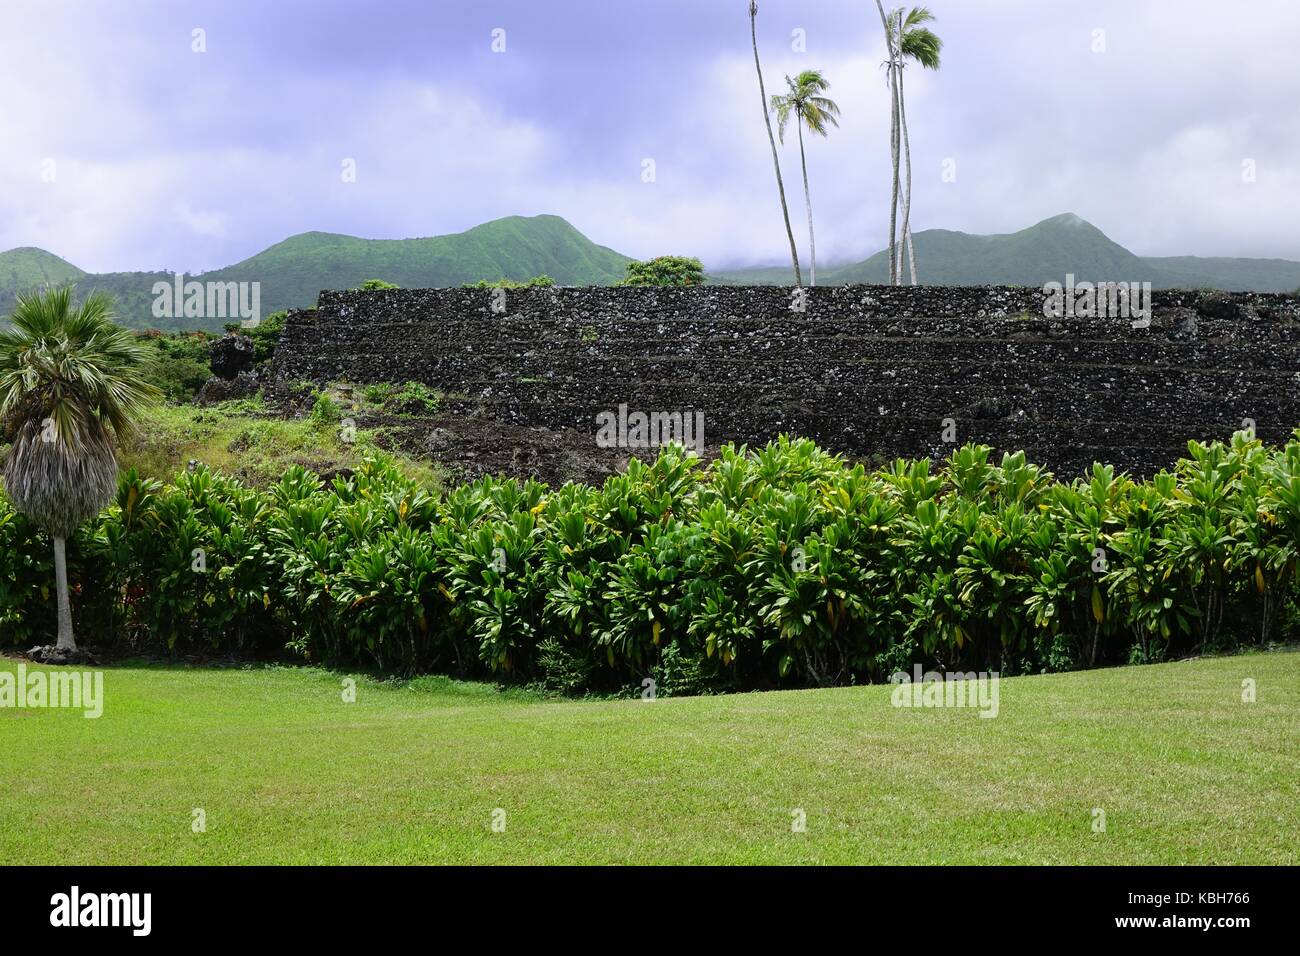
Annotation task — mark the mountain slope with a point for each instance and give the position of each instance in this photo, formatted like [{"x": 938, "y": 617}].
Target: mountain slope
[
  {"x": 1046, "y": 251},
  {"x": 511, "y": 248},
  {"x": 28, "y": 267},
  {"x": 293, "y": 272},
  {"x": 1234, "y": 275}
]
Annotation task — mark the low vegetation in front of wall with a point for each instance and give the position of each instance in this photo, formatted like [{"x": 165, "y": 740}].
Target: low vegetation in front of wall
[{"x": 256, "y": 442}]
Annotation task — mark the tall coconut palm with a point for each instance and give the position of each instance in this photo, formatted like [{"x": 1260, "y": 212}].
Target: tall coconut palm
[
  {"x": 70, "y": 384},
  {"x": 776, "y": 162},
  {"x": 805, "y": 102},
  {"x": 911, "y": 40},
  {"x": 891, "y": 64}
]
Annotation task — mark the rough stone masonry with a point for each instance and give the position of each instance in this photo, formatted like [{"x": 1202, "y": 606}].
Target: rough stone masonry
[{"x": 870, "y": 371}]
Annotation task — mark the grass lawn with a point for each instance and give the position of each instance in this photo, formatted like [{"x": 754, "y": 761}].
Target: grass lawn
[{"x": 286, "y": 772}]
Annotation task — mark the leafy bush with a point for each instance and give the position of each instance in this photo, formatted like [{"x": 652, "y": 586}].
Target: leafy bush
[
  {"x": 664, "y": 271},
  {"x": 324, "y": 411},
  {"x": 564, "y": 667},
  {"x": 409, "y": 397},
  {"x": 779, "y": 566},
  {"x": 377, "y": 393},
  {"x": 536, "y": 282},
  {"x": 679, "y": 673},
  {"x": 265, "y": 335},
  {"x": 177, "y": 364},
  {"x": 27, "y": 608}
]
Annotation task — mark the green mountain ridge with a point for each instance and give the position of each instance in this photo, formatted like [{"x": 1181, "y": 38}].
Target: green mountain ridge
[
  {"x": 293, "y": 272},
  {"x": 1046, "y": 251},
  {"x": 27, "y": 266}
]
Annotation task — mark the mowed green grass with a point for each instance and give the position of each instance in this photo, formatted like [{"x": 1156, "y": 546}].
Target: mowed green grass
[{"x": 286, "y": 772}]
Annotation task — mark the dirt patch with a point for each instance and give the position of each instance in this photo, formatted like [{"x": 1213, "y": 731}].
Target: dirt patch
[
  {"x": 470, "y": 443},
  {"x": 470, "y": 446}
]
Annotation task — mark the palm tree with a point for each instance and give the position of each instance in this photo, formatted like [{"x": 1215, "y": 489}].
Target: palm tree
[
  {"x": 910, "y": 40},
  {"x": 893, "y": 141},
  {"x": 810, "y": 108},
  {"x": 767, "y": 120},
  {"x": 70, "y": 384}
]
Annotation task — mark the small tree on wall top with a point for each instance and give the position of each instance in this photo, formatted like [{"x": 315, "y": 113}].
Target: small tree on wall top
[
  {"x": 536, "y": 282},
  {"x": 665, "y": 271}
]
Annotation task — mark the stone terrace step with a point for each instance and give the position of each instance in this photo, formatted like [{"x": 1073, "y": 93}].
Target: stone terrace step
[{"x": 865, "y": 370}]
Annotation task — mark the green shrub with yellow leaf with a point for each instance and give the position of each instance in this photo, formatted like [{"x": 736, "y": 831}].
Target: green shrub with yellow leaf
[{"x": 775, "y": 566}]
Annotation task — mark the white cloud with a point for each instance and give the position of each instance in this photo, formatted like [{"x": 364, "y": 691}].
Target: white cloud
[{"x": 167, "y": 159}]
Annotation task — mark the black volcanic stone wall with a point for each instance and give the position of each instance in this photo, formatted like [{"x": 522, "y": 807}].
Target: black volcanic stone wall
[{"x": 864, "y": 370}]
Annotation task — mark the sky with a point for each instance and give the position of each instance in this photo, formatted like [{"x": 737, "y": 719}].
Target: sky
[{"x": 129, "y": 141}]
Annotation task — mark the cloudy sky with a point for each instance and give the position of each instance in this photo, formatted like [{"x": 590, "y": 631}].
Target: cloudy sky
[{"x": 1136, "y": 114}]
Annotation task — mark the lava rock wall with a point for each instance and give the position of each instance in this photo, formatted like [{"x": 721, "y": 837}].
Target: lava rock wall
[{"x": 871, "y": 371}]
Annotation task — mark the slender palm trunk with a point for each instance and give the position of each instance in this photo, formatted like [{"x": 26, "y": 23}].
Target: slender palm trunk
[
  {"x": 907, "y": 194},
  {"x": 65, "y": 641},
  {"x": 902, "y": 232},
  {"x": 895, "y": 253},
  {"x": 893, "y": 148},
  {"x": 776, "y": 162},
  {"x": 807, "y": 201},
  {"x": 911, "y": 252}
]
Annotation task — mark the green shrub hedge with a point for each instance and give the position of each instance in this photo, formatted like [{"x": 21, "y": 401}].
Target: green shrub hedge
[{"x": 782, "y": 566}]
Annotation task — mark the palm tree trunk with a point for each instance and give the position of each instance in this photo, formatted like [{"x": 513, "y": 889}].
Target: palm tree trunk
[
  {"x": 65, "y": 641},
  {"x": 893, "y": 148},
  {"x": 807, "y": 201},
  {"x": 895, "y": 253},
  {"x": 776, "y": 162},
  {"x": 902, "y": 233},
  {"x": 907, "y": 194}
]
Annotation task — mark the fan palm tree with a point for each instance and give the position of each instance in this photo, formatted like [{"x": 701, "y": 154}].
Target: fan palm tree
[
  {"x": 70, "y": 384},
  {"x": 910, "y": 39},
  {"x": 805, "y": 102},
  {"x": 767, "y": 120}
]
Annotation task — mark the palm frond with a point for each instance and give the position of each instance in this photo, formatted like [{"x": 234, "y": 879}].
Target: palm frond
[
  {"x": 923, "y": 46},
  {"x": 918, "y": 15},
  {"x": 56, "y": 485},
  {"x": 70, "y": 382},
  {"x": 918, "y": 43},
  {"x": 67, "y": 353},
  {"x": 781, "y": 106},
  {"x": 806, "y": 103}
]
